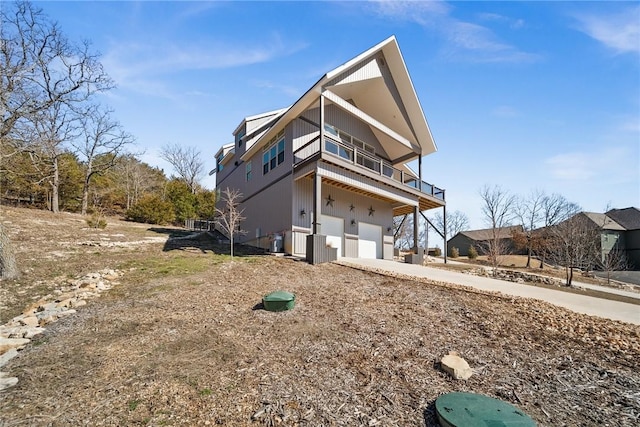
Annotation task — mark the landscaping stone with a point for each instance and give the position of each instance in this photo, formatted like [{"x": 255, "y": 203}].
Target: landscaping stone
[
  {"x": 6, "y": 382},
  {"x": 8, "y": 355},
  {"x": 7, "y": 344},
  {"x": 456, "y": 366},
  {"x": 31, "y": 321}
]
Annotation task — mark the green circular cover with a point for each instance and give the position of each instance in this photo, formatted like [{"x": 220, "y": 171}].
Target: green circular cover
[
  {"x": 476, "y": 410},
  {"x": 279, "y": 296}
]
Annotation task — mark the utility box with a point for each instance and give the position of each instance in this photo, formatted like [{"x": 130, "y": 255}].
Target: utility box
[{"x": 279, "y": 301}]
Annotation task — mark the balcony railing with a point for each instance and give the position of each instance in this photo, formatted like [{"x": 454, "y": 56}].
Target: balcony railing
[{"x": 362, "y": 158}]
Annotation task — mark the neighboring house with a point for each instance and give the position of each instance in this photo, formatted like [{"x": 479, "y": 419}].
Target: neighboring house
[
  {"x": 629, "y": 219},
  {"x": 480, "y": 239},
  {"x": 610, "y": 234},
  {"x": 326, "y": 176}
]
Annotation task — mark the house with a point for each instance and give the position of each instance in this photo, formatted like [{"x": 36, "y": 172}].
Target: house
[
  {"x": 629, "y": 220},
  {"x": 327, "y": 175},
  {"x": 480, "y": 238},
  {"x": 609, "y": 233}
]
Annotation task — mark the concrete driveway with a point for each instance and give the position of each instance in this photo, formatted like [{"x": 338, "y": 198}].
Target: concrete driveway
[{"x": 593, "y": 306}]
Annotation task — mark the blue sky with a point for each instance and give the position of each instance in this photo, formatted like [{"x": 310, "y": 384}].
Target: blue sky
[{"x": 526, "y": 95}]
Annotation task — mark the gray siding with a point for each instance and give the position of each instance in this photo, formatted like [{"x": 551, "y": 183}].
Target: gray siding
[
  {"x": 342, "y": 120},
  {"x": 341, "y": 207}
]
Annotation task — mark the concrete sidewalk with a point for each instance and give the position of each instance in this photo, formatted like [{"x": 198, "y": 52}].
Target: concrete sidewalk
[{"x": 593, "y": 306}]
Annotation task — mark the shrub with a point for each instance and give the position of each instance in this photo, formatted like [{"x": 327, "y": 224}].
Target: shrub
[
  {"x": 454, "y": 252},
  {"x": 473, "y": 253},
  {"x": 94, "y": 221},
  {"x": 437, "y": 252},
  {"x": 152, "y": 210}
]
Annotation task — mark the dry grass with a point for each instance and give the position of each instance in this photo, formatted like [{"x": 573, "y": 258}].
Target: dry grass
[{"x": 180, "y": 342}]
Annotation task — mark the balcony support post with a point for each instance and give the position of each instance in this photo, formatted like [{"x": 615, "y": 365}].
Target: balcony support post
[
  {"x": 420, "y": 173},
  {"x": 322, "y": 123},
  {"x": 317, "y": 202}
]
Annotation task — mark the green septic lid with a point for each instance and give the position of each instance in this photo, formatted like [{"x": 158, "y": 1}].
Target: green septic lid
[
  {"x": 279, "y": 296},
  {"x": 475, "y": 410}
]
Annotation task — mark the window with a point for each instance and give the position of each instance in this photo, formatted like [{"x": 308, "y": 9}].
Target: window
[
  {"x": 248, "y": 170},
  {"x": 241, "y": 133},
  {"x": 345, "y": 137},
  {"x": 219, "y": 161},
  {"x": 273, "y": 156}
]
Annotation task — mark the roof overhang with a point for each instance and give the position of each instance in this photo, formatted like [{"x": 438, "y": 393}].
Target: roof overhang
[{"x": 394, "y": 116}]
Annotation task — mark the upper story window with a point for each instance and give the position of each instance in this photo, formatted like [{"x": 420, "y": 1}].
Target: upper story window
[
  {"x": 219, "y": 161},
  {"x": 273, "y": 155},
  {"x": 247, "y": 170},
  {"x": 241, "y": 133},
  {"x": 345, "y": 137}
]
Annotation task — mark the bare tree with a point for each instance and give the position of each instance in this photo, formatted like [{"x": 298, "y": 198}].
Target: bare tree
[
  {"x": 103, "y": 141},
  {"x": 403, "y": 231},
  {"x": 44, "y": 138},
  {"x": 497, "y": 211},
  {"x": 43, "y": 78},
  {"x": 135, "y": 178},
  {"x": 528, "y": 210},
  {"x": 457, "y": 221},
  {"x": 614, "y": 260},
  {"x": 187, "y": 163},
  {"x": 230, "y": 214},
  {"x": 39, "y": 67},
  {"x": 555, "y": 208},
  {"x": 571, "y": 243}
]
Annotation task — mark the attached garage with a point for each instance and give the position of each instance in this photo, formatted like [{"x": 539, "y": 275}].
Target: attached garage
[
  {"x": 333, "y": 228},
  {"x": 369, "y": 240}
]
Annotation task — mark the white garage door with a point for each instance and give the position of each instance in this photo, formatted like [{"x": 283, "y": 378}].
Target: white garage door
[
  {"x": 333, "y": 228},
  {"x": 369, "y": 240}
]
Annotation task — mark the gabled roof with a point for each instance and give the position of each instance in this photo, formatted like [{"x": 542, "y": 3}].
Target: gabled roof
[
  {"x": 378, "y": 84},
  {"x": 603, "y": 221},
  {"x": 629, "y": 218},
  {"x": 487, "y": 233}
]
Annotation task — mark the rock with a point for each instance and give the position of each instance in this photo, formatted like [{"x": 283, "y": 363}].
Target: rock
[
  {"x": 7, "y": 344},
  {"x": 65, "y": 303},
  {"x": 31, "y": 321},
  {"x": 78, "y": 303},
  {"x": 32, "y": 332},
  {"x": 456, "y": 366},
  {"x": 4, "y": 358},
  {"x": 66, "y": 313},
  {"x": 6, "y": 382}
]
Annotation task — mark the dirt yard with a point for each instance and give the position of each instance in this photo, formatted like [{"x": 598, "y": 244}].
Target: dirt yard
[{"x": 181, "y": 340}]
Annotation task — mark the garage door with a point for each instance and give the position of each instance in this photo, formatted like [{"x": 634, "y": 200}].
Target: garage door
[
  {"x": 333, "y": 228},
  {"x": 369, "y": 240}
]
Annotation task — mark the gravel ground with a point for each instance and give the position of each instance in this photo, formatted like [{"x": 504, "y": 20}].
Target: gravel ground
[{"x": 182, "y": 340}]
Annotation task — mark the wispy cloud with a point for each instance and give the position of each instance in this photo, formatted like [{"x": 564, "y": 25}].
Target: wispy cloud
[
  {"x": 513, "y": 23},
  {"x": 619, "y": 31},
  {"x": 610, "y": 164},
  {"x": 141, "y": 66},
  {"x": 465, "y": 40}
]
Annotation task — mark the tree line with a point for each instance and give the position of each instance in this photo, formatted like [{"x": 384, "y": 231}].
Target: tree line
[{"x": 62, "y": 149}]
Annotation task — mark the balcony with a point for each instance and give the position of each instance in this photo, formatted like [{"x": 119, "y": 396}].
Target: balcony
[{"x": 362, "y": 158}]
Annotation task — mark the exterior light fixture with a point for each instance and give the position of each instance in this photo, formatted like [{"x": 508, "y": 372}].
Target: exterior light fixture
[
  {"x": 303, "y": 213},
  {"x": 353, "y": 222}
]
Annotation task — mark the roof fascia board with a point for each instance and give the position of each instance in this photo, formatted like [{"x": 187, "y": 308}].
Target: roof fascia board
[
  {"x": 369, "y": 120},
  {"x": 258, "y": 116},
  {"x": 337, "y": 71}
]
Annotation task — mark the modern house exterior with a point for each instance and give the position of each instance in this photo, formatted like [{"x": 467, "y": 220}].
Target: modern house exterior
[
  {"x": 326, "y": 176},
  {"x": 480, "y": 238}
]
